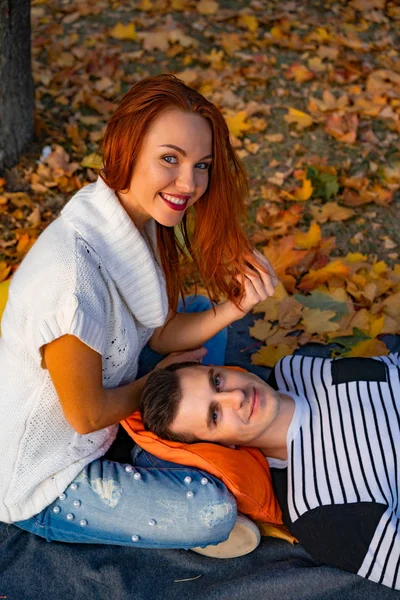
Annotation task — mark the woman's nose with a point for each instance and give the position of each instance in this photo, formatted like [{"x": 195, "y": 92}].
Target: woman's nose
[{"x": 185, "y": 181}]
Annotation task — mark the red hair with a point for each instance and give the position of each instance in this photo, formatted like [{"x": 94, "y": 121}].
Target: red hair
[{"x": 218, "y": 247}]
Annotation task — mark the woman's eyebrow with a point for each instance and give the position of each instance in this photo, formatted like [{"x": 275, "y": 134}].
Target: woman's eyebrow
[{"x": 181, "y": 150}]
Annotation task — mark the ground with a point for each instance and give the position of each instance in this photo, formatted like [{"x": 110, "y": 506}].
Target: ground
[{"x": 311, "y": 94}]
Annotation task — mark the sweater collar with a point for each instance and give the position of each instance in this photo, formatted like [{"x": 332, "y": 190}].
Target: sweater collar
[{"x": 99, "y": 218}]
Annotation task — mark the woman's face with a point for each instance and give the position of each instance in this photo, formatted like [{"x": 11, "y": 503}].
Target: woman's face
[{"x": 172, "y": 170}]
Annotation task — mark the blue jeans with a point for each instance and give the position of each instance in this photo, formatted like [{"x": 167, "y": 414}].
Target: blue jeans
[{"x": 146, "y": 502}]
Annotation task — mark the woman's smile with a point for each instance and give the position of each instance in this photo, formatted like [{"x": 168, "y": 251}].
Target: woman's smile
[
  {"x": 175, "y": 156},
  {"x": 175, "y": 202}
]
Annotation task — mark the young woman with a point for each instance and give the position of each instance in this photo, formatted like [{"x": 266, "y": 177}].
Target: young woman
[{"x": 101, "y": 282}]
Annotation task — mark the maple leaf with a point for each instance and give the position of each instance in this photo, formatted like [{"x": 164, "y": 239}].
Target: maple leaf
[
  {"x": 289, "y": 312},
  {"x": 249, "y": 22},
  {"x": 261, "y": 330},
  {"x": 123, "y": 32},
  {"x": 237, "y": 124},
  {"x": 268, "y": 356},
  {"x": 207, "y": 7},
  {"x": 299, "y": 118},
  {"x": 325, "y": 184},
  {"x": 310, "y": 239},
  {"x": 335, "y": 269},
  {"x": 315, "y": 320},
  {"x": 282, "y": 256},
  {"x": 4, "y": 285},
  {"x": 92, "y": 161},
  {"x": 368, "y": 348},
  {"x": 4, "y": 270},
  {"x": 299, "y": 73},
  {"x": 331, "y": 211},
  {"x": 336, "y": 302},
  {"x": 343, "y": 127}
]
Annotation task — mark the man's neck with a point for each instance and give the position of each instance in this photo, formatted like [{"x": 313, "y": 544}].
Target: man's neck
[{"x": 273, "y": 442}]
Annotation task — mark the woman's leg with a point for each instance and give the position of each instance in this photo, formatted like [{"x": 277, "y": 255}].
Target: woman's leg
[
  {"x": 216, "y": 346},
  {"x": 142, "y": 505}
]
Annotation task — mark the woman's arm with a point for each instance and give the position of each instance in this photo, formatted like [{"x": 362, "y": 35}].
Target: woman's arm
[
  {"x": 190, "y": 330},
  {"x": 76, "y": 372}
]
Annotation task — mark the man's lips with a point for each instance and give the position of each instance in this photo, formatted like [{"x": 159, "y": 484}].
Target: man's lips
[
  {"x": 183, "y": 201},
  {"x": 253, "y": 403}
]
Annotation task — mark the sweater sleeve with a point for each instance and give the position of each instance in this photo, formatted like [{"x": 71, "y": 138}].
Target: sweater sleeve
[{"x": 68, "y": 295}]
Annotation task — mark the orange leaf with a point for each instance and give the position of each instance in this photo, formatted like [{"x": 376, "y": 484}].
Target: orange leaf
[
  {"x": 343, "y": 128},
  {"x": 315, "y": 277},
  {"x": 282, "y": 254}
]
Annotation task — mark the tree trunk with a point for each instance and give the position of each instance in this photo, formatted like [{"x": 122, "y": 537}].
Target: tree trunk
[{"x": 16, "y": 84}]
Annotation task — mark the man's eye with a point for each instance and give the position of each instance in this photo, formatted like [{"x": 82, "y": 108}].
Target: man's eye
[
  {"x": 172, "y": 160},
  {"x": 215, "y": 416}
]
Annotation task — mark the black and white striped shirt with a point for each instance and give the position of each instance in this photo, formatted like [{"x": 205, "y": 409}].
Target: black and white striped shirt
[{"x": 339, "y": 489}]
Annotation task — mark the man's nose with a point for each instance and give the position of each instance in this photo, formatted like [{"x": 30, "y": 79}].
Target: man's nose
[
  {"x": 185, "y": 181},
  {"x": 233, "y": 399}
]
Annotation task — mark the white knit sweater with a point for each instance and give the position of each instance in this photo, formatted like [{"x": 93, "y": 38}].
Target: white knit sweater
[{"x": 93, "y": 275}]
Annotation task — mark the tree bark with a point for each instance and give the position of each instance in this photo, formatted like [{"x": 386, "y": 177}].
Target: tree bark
[{"x": 16, "y": 84}]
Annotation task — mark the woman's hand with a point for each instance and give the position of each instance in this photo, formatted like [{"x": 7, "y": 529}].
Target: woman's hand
[
  {"x": 258, "y": 285},
  {"x": 187, "y": 356}
]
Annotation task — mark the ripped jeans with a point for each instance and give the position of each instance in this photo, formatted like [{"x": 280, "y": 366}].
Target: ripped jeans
[{"x": 146, "y": 502}]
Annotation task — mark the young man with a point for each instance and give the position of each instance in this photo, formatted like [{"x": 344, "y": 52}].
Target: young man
[{"x": 330, "y": 430}]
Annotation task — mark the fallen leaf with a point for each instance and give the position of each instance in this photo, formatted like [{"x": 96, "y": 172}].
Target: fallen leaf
[
  {"x": 237, "y": 123},
  {"x": 368, "y": 348},
  {"x": 310, "y": 239},
  {"x": 315, "y": 320},
  {"x": 335, "y": 269},
  {"x": 207, "y": 7},
  {"x": 123, "y": 32},
  {"x": 331, "y": 211},
  {"x": 268, "y": 356},
  {"x": 299, "y": 118}
]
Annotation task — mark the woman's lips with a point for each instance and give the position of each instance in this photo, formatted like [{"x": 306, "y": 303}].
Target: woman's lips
[{"x": 178, "y": 207}]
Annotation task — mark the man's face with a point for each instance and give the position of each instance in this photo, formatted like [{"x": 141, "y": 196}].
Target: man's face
[{"x": 225, "y": 406}]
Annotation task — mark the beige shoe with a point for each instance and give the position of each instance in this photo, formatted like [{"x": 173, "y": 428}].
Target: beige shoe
[{"x": 244, "y": 538}]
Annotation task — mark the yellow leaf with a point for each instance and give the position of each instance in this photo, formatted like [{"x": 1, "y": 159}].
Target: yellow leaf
[
  {"x": 92, "y": 161},
  {"x": 207, "y": 7},
  {"x": 4, "y": 285},
  {"x": 268, "y": 356},
  {"x": 334, "y": 269},
  {"x": 368, "y": 348},
  {"x": 261, "y": 330},
  {"x": 299, "y": 73},
  {"x": 305, "y": 192},
  {"x": 354, "y": 257},
  {"x": 237, "y": 123},
  {"x": 4, "y": 270},
  {"x": 308, "y": 240},
  {"x": 249, "y": 22},
  {"x": 299, "y": 118},
  {"x": 315, "y": 320},
  {"x": 331, "y": 211},
  {"x": 124, "y": 32},
  {"x": 376, "y": 325}
]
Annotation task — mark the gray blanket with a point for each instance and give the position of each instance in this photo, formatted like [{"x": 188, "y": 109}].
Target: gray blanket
[{"x": 33, "y": 569}]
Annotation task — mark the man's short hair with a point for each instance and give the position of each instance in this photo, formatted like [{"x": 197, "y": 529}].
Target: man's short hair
[{"x": 159, "y": 403}]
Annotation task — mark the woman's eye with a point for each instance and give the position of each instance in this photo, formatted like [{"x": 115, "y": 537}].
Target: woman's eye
[
  {"x": 172, "y": 160},
  {"x": 217, "y": 382},
  {"x": 203, "y": 166}
]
